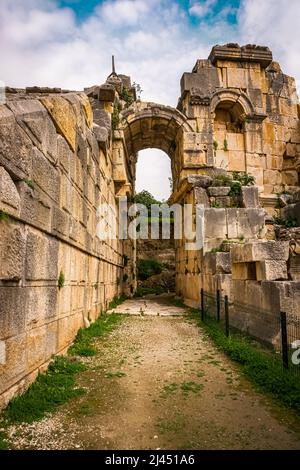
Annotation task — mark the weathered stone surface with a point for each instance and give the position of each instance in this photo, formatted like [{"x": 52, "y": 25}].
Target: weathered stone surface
[
  {"x": 12, "y": 251},
  {"x": 217, "y": 263},
  {"x": 260, "y": 251},
  {"x": 203, "y": 181},
  {"x": 12, "y": 307},
  {"x": 63, "y": 116},
  {"x": 243, "y": 271},
  {"x": 45, "y": 175},
  {"x": 15, "y": 146},
  {"x": 218, "y": 191},
  {"x": 9, "y": 196},
  {"x": 41, "y": 257},
  {"x": 250, "y": 197},
  {"x": 35, "y": 209},
  {"x": 271, "y": 270},
  {"x": 201, "y": 197}
]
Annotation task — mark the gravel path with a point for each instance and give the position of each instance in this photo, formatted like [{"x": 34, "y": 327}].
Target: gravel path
[{"x": 159, "y": 383}]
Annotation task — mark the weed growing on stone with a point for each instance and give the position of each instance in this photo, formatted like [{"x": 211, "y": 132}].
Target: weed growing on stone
[{"x": 3, "y": 441}]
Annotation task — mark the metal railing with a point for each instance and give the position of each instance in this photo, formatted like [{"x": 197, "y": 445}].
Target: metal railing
[{"x": 278, "y": 332}]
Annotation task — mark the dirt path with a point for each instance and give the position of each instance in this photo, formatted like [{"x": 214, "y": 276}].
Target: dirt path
[{"x": 159, "y": 383}]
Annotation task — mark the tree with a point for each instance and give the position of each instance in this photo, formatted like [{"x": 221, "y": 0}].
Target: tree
[{"x": 145, "y": 198}]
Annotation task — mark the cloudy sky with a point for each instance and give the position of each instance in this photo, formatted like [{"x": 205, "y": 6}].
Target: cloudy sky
[{"x": 69, "y": 43}]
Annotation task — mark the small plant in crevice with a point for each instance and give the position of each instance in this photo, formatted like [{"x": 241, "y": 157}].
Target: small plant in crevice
[
  {"x": 61, "y": 280},
  {"x": 29, "y": 183},
  {"x": 125, "y": 277},
  {"x": 4, "y": 216},
  {"x": 115, "y": 119},
  {"x": 126, "y": 96},
  {"x": 216, "y": 145},
  {"x": 125, "y": 260},
  {"x": 225, "y": 145}
]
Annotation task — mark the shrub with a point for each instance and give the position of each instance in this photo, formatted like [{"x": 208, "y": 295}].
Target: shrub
[{"x": 147, "y": 268}]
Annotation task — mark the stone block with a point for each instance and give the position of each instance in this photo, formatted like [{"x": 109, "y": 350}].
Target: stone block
[
  {"x": 215, "y": 223},
  {"x": 35, "y": 209},
  {"x": 9, "y": 196},
  {"x": 41, "y": 305},
  {"x": 216, "y": 191},
  {"x": 12, "y": 308},
  {"x": 271, "y": 270},
  {"x": 41, "y": 344},
  {"x": 202, "y": 181},
  {"x": 15, "y": 146},
  {"x": 250, "y": 197},
  {"x": 60, "y": 222},
  {"x": 243, "y": 271},
  {"x": 65, "y": 155},
  {"x": 36, "y": 122},
  {"x": 41, "y": 257},
  {"x": 260, "y": 251},
  {"x": 201, "y": 197},
  {"x": 45, "y": 175},
  {"x": 12, "y": 251},
  {"x": 14, "y": 368},
  {"x": 63, "y": 116},
  {"x": 217, "y": 263}
]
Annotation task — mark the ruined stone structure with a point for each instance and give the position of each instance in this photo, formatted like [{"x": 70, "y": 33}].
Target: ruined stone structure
[{"x": 62, "y": 154}]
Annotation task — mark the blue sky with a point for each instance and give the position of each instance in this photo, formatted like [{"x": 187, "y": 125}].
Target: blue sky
[
  {"x": 84, "y": 8},
  {"x": 69, "y": 44}
]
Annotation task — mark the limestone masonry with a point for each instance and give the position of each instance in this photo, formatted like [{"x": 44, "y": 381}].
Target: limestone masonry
[{"x": 62, "y": 154}]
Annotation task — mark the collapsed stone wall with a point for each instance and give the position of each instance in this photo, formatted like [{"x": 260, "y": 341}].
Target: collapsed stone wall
[{"x": 55, "y": 274}]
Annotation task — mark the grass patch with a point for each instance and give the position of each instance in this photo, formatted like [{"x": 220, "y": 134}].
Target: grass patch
[
  {"x": 147, "y": 268},
  {"x": 3, "y": 441},
  {"x": 142, "y": 291},
  {"x": 51, "y": 389},
  {"x": 114, "y": 375},
  {"x": 116, "y": 301},
  {"x": 83, "y": 344},
  {"x": 263, "y": 368},
  {"x": 190, "y": 387}
]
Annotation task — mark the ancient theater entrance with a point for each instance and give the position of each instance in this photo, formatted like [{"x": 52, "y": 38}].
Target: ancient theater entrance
[{"x": 155, "y": 257}]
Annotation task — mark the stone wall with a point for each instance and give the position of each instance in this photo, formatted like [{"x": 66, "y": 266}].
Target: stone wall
[{"x": 55, "y": 274}]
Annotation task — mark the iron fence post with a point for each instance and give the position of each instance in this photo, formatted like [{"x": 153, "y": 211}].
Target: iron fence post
[
  {"x": 226, "y": 316},
  {"x": 284, "y": 340},
  {"x": 218, "y": 305},
  {"x": 202, "y": 304}
]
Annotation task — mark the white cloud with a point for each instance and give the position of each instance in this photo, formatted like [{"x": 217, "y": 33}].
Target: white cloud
[
  {"x": 273, "y": 23},
  {"x": 200, "y": 9}
]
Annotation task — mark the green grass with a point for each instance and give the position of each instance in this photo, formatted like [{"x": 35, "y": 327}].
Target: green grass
[
  {"x": 3, "y": 441},
  {"x": 147, "y": 268},
  {"x": 4, "y": 216},
  {"x": 83, "y": 344},
  {"x": 116, "y": 301},
  {"x": 51, "y": 389},
  {"x": 141, "y": 291},
  {"x": 263, "y": 368}
]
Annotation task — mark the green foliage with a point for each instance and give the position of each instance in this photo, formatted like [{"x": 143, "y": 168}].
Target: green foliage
[
  {"x": 115, "y": 119},
  {"x": 29, "y": 183},
  {"x": 216, "y": 145},
  {"x": 243, "y": 178},
  {"x": 51, "y": 389},
  {"x": 236, "y": 188},
  {"x": 225, "y": 145},
  {"x": 83, "y": 344},
  {"x": 4, "y": 216},
  {"x": 262, "y": 367},
  {"x": 216, "y": 205},
  {"x": 3, "y": 441},
  {"x": 61, "y": 280},
  {"x": 287, "y": 223},
  {"x": 126, "y": 96},
  {"x": 116, "y": 301},
  {"x": 142, "y": 291},
  {"x": 145, "y": 198},
  {"x": 147, "y": 268}
]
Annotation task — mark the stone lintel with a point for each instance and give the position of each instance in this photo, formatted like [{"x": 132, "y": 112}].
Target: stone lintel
[{"x": 236, "y": 53}]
